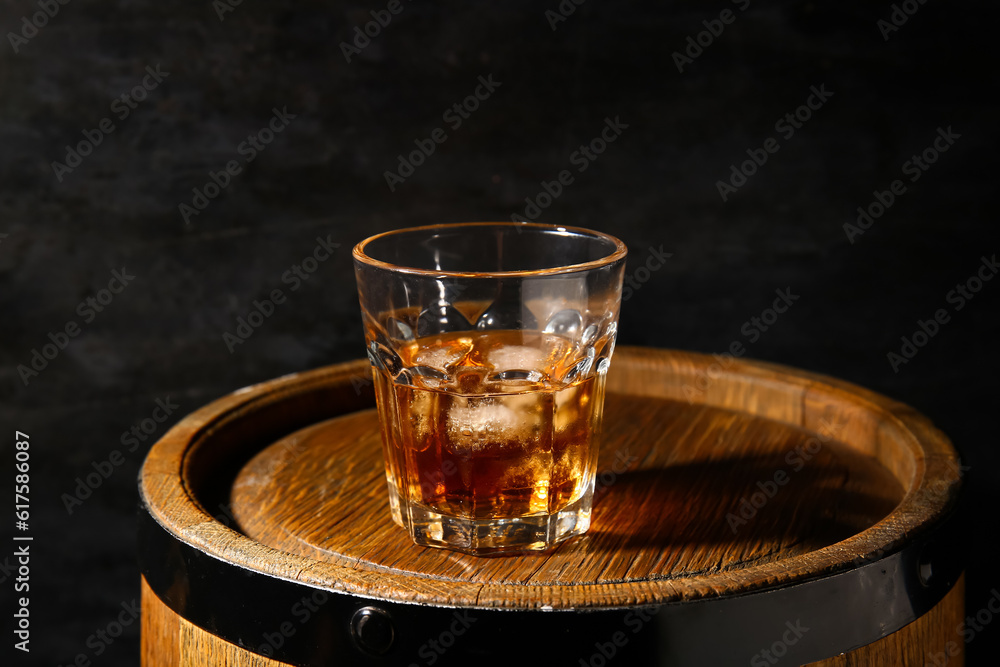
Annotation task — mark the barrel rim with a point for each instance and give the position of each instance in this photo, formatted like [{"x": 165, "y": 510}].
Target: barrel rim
[
  {"x": 936, "y": 481},
  {"x": 882, "y": 597}
]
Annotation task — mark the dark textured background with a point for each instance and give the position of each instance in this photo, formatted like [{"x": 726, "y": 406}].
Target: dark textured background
[{"x": 323, "y": 175}]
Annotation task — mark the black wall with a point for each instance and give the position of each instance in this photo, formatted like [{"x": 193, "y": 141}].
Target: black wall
[{"x": 62, "y": 233}]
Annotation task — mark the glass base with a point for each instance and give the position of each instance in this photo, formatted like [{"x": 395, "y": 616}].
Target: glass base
[{"x": 481, "y": 537}]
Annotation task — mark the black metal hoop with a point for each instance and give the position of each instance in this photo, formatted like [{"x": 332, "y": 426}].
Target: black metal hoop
[{"x": 312, "y": 627}]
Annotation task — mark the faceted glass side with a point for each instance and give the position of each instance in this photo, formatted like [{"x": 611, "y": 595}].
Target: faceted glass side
[{"x": 490, "y": 393}]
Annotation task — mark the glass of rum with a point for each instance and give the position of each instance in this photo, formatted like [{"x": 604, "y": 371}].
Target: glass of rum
[{"x": 489, "y": 345}]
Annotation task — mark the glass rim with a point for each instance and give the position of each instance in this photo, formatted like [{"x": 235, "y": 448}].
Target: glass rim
[{"x": 619, "y": 252}]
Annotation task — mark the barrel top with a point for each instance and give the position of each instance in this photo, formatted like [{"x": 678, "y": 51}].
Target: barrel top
[{"x": 717, "y": 476}]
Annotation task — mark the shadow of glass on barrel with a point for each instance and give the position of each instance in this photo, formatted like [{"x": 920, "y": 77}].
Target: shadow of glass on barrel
[{"x": 489, "y": 345}]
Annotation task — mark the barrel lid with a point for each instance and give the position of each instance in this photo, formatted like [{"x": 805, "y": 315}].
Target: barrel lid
[{"x": 719, "y": 477}]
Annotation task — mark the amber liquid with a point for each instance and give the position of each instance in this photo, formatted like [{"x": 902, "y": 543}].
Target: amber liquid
[{"x": 492, "y": 424}]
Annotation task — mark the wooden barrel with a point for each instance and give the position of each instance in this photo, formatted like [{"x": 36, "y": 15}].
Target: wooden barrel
[{"x": 746, "y": 513}]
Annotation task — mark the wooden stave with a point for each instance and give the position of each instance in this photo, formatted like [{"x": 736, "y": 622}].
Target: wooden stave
[
  {"x": 168, "y": 640},
  {"x": 222, "y": 605}
]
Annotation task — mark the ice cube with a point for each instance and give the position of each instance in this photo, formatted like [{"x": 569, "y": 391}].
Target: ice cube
[
  {"x": 516, "y": 358},
  {"x": 426, "y": 377},
  {"x": 421, "y": 421},
  {"x": 568, "y": 404},
  {"x": 481, "y": 422},
  {"x": 442, "y": 357}
]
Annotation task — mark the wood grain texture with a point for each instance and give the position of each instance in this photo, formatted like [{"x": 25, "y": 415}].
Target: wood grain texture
[
  {"x": 662, "y": 515},
  {"x": 930, "y": 640},
  {"x": 160, "y": 628},
  {"x": 310, "y": 504},
  {"x": 198, "y": 648},
  {"x": 171, "y": 641}
]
